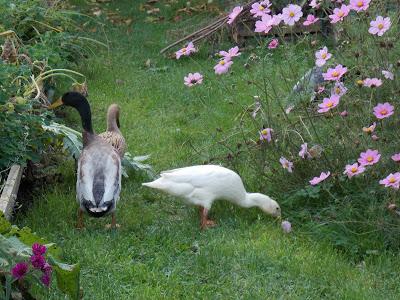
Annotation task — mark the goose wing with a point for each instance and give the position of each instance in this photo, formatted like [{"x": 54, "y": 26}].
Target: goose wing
[{"x": 99, "y": 175}]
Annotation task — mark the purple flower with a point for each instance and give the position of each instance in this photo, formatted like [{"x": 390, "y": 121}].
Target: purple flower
[
  {"x": 47, "y": 268},
  {"x": 19, "y": 270},
  {"x": 286, "y": 226},
  {"x": 38, "y": 261},
  {"x": 38, "y": 249},
  {"x": 45, "y": 279}
]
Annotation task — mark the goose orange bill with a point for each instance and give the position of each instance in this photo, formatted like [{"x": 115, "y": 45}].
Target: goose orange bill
[{"x": 57, "y": 103}]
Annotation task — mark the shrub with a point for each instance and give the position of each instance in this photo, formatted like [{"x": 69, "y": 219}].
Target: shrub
[
  {"x": 40, "y": 39},
  {"x": 291, "y": 133}
]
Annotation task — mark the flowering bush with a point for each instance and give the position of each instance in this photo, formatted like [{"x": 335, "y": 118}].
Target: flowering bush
[
  {"x": 29, "y": 270},
  {"x": 313, "y": 145}
]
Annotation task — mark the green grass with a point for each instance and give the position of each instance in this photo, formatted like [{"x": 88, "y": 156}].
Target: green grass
[{"x": 159, "y": 252}]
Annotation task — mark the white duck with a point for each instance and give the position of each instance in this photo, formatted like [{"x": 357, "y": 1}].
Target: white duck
[{"x": 202, "y": 185}]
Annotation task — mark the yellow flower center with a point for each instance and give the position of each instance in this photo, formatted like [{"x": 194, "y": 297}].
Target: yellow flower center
[
  {"x": 264, "y": 131},
  {"x": 184, "y": 49},
  {"x": 384, "y": 112},
  {"x": 323, "y": 55},
  {"x": 222, "y": 62},
  {"x": 335, "y": 74},
  {"x": 291, "y": 14},
  {"x": 340, "y": 14},
  {"x": 337, "y": 90},
  {"x": 354, "y": 169},
  {"x": 329, "y": 104},
  {"x": 370, "y": 158},
  {"x": 360, "y": 3},
  {"x": 360, "y": 82},
  {"x": 261, "y": 7},
  {"x": 380, "y": 26},
  {"x": 392, "y": 180}
]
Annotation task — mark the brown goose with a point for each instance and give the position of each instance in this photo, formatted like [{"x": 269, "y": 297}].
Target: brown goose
[
  {"x": 113, "y": 135},
  {"x": 98, "y": 183}
]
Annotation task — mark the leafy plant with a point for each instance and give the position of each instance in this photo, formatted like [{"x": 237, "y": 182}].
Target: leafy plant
[
  {"x": 72, "y": 141},
  {"x": 23, "y": 266}
]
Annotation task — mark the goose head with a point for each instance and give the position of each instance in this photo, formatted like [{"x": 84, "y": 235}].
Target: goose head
[{"x": 265, "y": 203}]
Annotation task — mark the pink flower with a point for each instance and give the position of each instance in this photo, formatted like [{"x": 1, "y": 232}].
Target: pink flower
[
  {"x": 369, "y": 157},
  {"x": 311, "y": 19},
  {"x": 344, "y": 113},
  {"x": 369, "y": 129},
  {"x": 193, "y": 79},
  {"x": 304, "y": 152},
  {"x": 392, "y": 180},
  {"x": 359, "y": 5},
  {"x": 45, "y": 279},
  {"x": 396, "y": 157},
  {"x": 321, "y": 177},
  {"x": 328, "y": 103},
  {"x": 353, "y": 170},
  {"x": 379, "y": 26},
  {"x": 260, "y": 9},
  {"x": 291, "y": 14},
  {"x": 322, "y": 56},
  {"x": 186, "y": 50},
  {"x": 38, "y": 249},
  {"x": 235, "y": 12},
  {"x": 384, "y": 110},
  {"x": 38, "y": 261},
  {"x": 233, "y": 52},
  {"x": 19, "y": 270},
  {"x": 320, "y": 89},
  {"x": 339, "y": 89},
  {"x": 266, "y": 134},
  {"x": 273, "y": 44},
  {"x": 276, "y": 19},
  {"x": 388, "y": 75},
  {"x": 265, "y": 25},
  {"x": 339, "y": 13},
  {"x": 335, "y": 74},
  {"x": 286, "y": 226},
  {"x": 288, "y": 165},
  {"x": 315, "y": 4},
  {"x": 372, "y": 82},
  {"x": 374, "y": 137},
  {"x": 222, "y": 66},
  {"x": 289, "y": 109}
]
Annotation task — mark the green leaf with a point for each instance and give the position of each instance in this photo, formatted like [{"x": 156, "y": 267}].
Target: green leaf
[
  {"x": 73, "y": 144},
  {"x": 5, "y": 226},
  {"x": 67, "y": 278}
]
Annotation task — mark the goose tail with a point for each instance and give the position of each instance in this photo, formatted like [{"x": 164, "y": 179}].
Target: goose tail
[
  {"x": 156, "y": 184},
  {"x": 113, "y": 118}
]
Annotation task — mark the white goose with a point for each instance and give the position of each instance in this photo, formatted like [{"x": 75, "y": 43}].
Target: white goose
[{"x": 202, "y": 185}]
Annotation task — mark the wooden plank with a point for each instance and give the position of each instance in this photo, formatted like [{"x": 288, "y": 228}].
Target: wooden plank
[{"x": 7, "y": 199}]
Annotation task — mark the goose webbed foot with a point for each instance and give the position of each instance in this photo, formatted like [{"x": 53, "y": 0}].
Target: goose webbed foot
[
  {"x": 205, "y": 222},
  {"x": 113, "y": 224}
]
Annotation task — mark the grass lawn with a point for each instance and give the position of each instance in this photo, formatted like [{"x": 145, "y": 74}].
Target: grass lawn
[{"x": 159, "y": 251}]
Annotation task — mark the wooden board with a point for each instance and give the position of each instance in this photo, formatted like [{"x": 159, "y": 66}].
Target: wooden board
[{"x": 7, "y": 199}]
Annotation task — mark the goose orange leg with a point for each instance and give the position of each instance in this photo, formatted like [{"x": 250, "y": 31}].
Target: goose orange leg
[
  {"x": 113, "y": 224},
  {"x": 205, "y": 222},
  {"x": 80, "y": 224}
]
